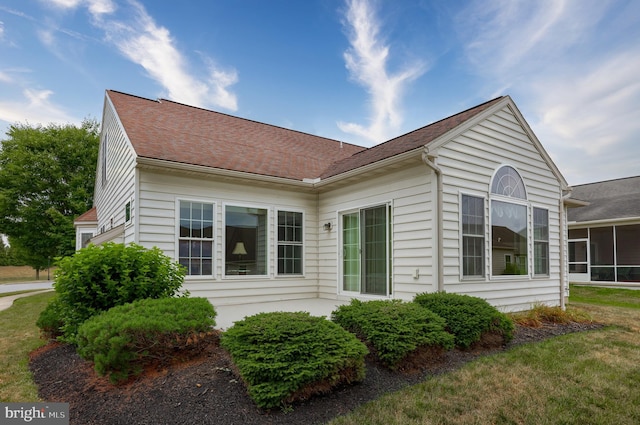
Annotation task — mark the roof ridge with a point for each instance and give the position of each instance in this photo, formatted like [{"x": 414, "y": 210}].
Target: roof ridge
[{"x": 605, "y": 181}]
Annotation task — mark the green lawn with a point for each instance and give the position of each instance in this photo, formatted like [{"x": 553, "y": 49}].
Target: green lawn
[
  {"x": 19, "y": 336},
  {"x": 583, "y": 378}
]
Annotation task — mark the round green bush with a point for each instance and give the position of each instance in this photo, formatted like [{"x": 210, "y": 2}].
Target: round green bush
[
  {"x": 98, "y": 278},
  {"x": 285, "y": 356},
  {"x": 467, "y": 317},
  {"x": 50, "y": 320},
  {"x": 122, "y": 339},
  {"x": 393, "y": 327}
]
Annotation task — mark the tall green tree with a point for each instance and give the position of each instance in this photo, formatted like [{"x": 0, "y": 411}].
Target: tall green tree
[{"x": 47, "y": 179}]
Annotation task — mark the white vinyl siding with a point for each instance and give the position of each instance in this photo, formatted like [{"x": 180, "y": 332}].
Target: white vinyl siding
[
  {"x": 116, "y": 186},
  {"x": 468, "y": 163},
  {"x": 157, "y": 215},
  {"x": 409, "y": 191}
]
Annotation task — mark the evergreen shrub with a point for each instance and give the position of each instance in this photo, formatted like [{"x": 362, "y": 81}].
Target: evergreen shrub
[
  {"x": 284, "y": 357},
  {"x": 393, "y": 327},
  {"x": 50, "y": 320},
  {"x": 467, "y": 317},
  {"x": 120, "y": 341},
  {"x": 98, "y": 278}
]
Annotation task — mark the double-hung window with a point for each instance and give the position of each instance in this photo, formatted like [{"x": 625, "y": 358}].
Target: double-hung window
[
  {"x": 195, "y": 243},
  {"x": 289, "y": 242},
  {"x": 540, "y": 241},
  {"x": 473, "y": 252}
]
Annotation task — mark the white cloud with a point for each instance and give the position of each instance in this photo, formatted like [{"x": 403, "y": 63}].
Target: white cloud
[
  {"x": 573, "y": 67},
  {"x": 367, "y": 62},
  {"x": 35, "y": 107},
  {"x": 152, "y": 47},
  {"x": 138, "y": 38}
]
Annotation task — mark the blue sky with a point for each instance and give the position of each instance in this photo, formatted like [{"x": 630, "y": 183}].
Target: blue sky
[{"x": 353, "y": 70}]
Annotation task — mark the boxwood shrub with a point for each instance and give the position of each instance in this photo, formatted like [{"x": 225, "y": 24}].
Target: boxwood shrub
[
  {"x": 467, "y": 317},
  {"x": 121, "y": 340},
  {"x": 393, "y": 327},
  {"x": 284, "y": 357},
  {"x": 98, "y": 278},
  {"x": 50, "y": 320}
]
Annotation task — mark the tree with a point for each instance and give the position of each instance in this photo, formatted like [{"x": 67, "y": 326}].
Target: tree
[{"x": 46, "y": 180}]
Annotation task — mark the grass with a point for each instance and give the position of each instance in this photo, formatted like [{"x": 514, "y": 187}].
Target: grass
[
  {"x": 11, "y": 274},
  {"x": 18, "y": 337},
  {"x": 605, "y": 296},
  {"x": 582, "y": 378}
]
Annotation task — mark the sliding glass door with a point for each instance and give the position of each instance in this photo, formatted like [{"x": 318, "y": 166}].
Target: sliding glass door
[{"x": 365, "y": 246}]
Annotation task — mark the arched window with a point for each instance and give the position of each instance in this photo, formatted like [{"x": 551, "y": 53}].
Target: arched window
[
  {"x": 509, "y": 224},
  {"x": 508, "y": 182}
]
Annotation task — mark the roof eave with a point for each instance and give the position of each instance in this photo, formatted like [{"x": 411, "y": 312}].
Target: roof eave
[{"x": 163, "y": 164}]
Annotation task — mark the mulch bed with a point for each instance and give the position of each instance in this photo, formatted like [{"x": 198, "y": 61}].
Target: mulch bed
[{"x": 205, "y": 390}]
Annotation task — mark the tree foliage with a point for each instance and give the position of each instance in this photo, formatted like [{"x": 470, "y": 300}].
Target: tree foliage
[{"x": 46, "y": 180}]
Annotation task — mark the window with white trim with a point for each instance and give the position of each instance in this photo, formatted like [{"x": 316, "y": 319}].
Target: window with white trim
[
  {"x": 245, "y": 241},
  {"x": 289, "y": 242},
  {"x": 195, "y": 242},
  {"x": 509, "y": 224},
  {"x": 473, "y": 253},
  {"x": 540, "y": 241}
]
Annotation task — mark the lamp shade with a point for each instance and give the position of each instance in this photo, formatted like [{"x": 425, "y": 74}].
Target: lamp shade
[{"x": 239, "y": 249}]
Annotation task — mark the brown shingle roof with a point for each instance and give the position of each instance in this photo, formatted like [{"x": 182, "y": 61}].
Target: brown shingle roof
[
  {"x": 175, "y": 132},
  {"x": 89, "y": 216},
  {"x": 407, "y": 142}
]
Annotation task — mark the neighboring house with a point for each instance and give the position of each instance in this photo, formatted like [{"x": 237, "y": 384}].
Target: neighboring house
[
  {"x": 262, "y": 213},
  {"x": 604, "y": 236}
]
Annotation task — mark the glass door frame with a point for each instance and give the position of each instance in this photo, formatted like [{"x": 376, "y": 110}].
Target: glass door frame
[{"x": 358, "y": 214}]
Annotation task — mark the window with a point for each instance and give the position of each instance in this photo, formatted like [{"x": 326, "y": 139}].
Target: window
[
  {"x": 509, "y": 229},
  {"x": 195, "y": 242},
  {"x": 245, "y": 241},
  {"x": 472, "y": 236},
  {"x": 103, "y": 159},
  {"x": 289, "y": 242},
  {"x": 365, "y": 247},
  {"x": 128, "y": 212},
  {"x": 85, "y": 238},
  {"x": 540, "y": 241}
]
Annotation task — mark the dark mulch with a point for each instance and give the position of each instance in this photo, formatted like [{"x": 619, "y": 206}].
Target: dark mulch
[{"x": 205, "y": 390}]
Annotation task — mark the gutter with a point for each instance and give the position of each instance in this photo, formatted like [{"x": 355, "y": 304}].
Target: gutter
[
  {"x": 563, "y": 247},
  {"x": 430, "y": 161}
]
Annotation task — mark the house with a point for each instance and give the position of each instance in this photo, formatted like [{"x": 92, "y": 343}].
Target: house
[
  {"x": 471, "y": 204},
  {"x": 604, "y": 235}
]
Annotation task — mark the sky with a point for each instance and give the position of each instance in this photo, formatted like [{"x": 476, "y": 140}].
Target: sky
[{"x": 353, "y": 70}]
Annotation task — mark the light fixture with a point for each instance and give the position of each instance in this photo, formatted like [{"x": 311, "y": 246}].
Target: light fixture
[
  {"x": 239, "y": 249},
  {"x": 327, "y": 226}
]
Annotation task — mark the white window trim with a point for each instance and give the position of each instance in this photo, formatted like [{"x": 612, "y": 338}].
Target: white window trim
[
  {"x": 215, "y": 244},
  {"x": 487, "y": 234},
  {"x": 276, "y": 243},
  {"x": 533, "y": 247},
  {"x": 340, "y": 257},
  {"x": 270, "y": 238}
]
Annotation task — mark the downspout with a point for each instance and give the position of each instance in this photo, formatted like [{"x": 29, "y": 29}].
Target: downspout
[
  {"x": 563, "y": 248},
  {"x": 429, "y": 161}
]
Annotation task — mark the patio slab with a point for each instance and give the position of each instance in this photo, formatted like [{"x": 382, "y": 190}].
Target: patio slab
[{"x": 229, "y": 314}]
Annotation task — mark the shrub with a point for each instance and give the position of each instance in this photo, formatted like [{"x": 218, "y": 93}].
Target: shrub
[
  {"x": 121, "y": 340},
  {"x": 98, "y": 278},
  {"x": 284, "y": 357},
  {"x": 394, "y": 328},
  {"x": 50, "y": 320},
  {"x": 468, "y": 318}
]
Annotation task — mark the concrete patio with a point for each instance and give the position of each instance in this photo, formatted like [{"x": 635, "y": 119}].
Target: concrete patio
[{"x": 229, "y": 314}]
